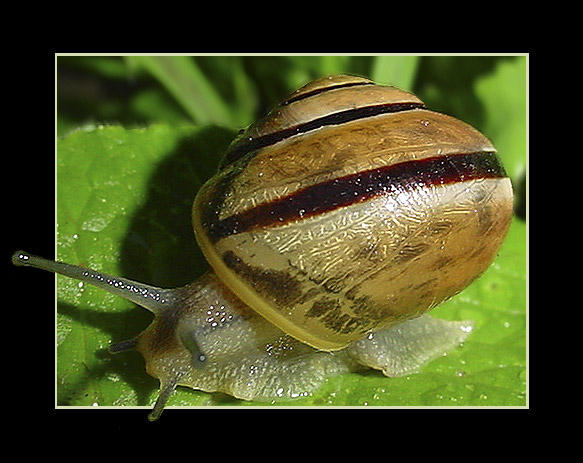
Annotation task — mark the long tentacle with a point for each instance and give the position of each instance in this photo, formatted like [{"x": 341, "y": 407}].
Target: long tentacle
[{"x": 150, "y": 297}]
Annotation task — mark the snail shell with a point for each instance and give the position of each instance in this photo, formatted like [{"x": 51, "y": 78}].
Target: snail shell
[{"x": 351, "y": 207}]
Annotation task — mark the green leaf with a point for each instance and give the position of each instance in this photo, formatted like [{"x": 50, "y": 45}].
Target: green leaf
[{"x": 124, "y": 199}]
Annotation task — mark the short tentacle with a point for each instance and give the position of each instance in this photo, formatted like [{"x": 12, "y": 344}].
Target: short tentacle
[{"x": 167, "y": 387}]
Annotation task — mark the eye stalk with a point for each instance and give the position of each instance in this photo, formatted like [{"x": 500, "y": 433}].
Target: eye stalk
[{"x": 149, "y": 297}]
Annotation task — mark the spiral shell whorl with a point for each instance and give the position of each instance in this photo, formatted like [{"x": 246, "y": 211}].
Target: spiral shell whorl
[{"x": 351, "y": 207}]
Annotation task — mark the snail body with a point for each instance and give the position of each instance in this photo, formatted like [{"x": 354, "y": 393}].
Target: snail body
[{"x": 333, "y": 225}]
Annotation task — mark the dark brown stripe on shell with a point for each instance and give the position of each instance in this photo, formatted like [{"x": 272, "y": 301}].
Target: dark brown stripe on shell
[
  {"x": 341, "y": 192},
  {"x": 320, "y": 90},
  {"x": 238, "y": 150}
]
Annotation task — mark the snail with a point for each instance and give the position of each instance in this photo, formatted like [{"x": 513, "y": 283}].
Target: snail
[{"x": 333, "y": 225}]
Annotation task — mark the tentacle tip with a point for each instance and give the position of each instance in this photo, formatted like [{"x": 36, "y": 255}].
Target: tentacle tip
[
  {"x": 20, "y": 258},
  {"x": 154, "y": 415}
]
